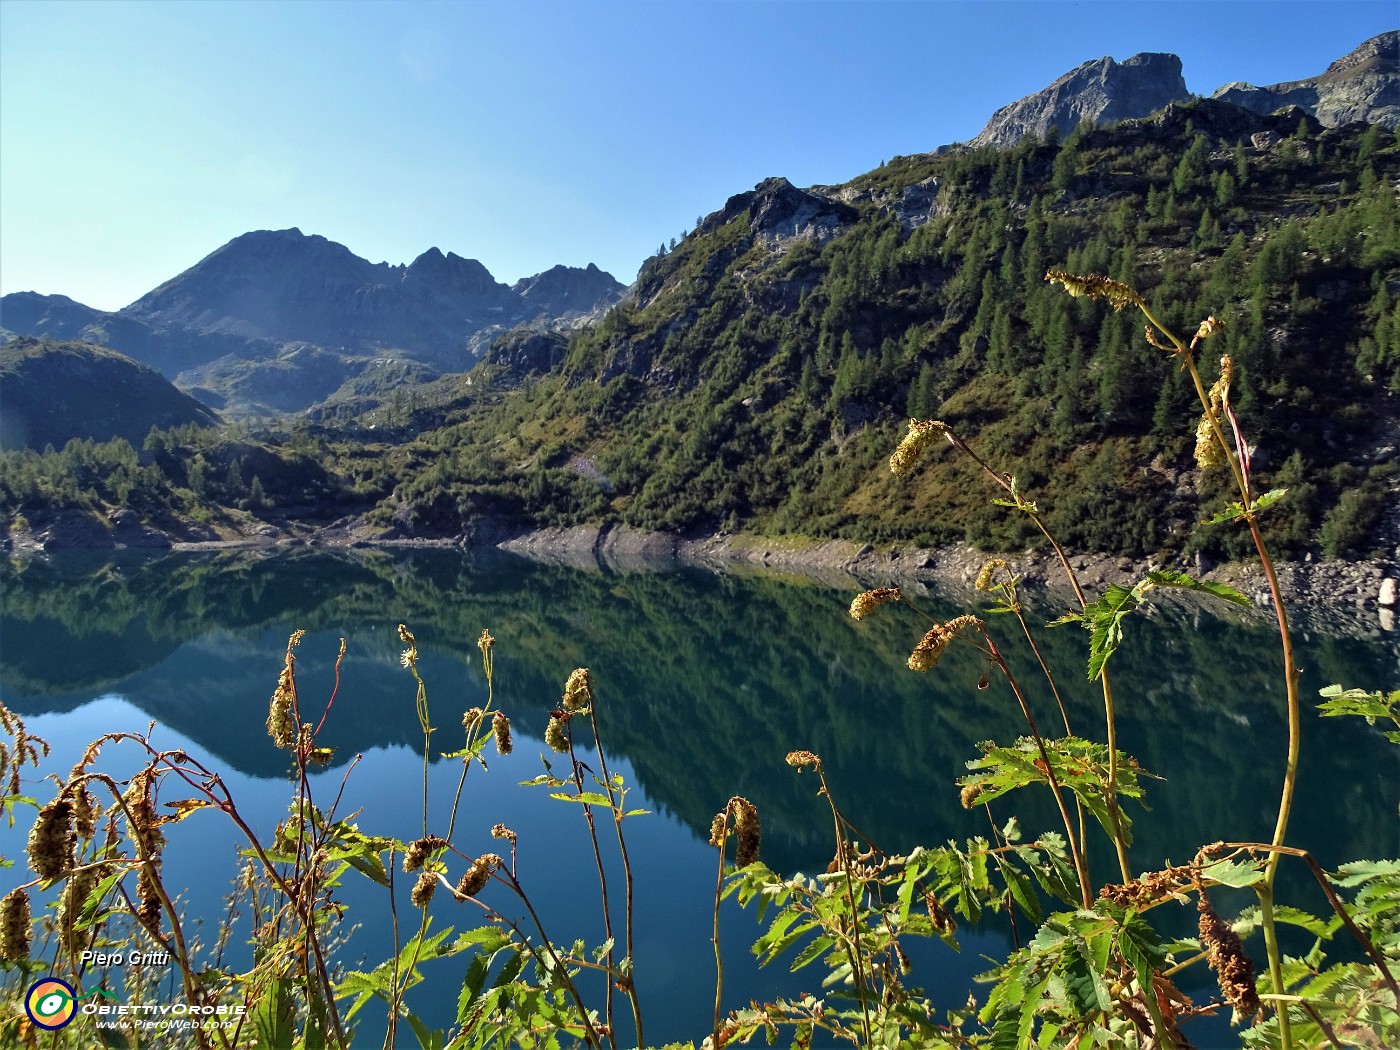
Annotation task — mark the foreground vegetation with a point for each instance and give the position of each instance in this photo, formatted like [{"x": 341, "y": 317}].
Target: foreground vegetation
[{"x": 1095, "y": 972}]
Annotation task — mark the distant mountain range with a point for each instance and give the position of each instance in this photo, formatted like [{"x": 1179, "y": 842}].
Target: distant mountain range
[{"x": 295, "y": 317}]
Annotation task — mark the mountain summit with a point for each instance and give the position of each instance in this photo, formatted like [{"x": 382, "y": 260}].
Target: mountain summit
[
  {"x": 1099, "y": 91},
  {"x": 1363, "y": 85}
]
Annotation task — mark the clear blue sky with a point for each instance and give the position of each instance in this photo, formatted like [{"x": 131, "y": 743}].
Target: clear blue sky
[{"x": 135, "y": 138}]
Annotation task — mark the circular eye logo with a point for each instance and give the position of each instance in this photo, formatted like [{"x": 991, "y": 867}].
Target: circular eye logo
[{"x": 50, "y": 1004}]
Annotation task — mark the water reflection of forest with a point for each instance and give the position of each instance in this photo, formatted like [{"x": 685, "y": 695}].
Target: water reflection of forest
[{"x": 705, "y": 682}]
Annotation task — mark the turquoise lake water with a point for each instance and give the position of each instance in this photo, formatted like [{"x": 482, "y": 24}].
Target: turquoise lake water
[{"x": 703, "y": 683}]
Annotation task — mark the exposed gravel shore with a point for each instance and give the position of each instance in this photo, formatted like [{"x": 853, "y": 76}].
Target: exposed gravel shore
[{"x": 1357, "y": 598}]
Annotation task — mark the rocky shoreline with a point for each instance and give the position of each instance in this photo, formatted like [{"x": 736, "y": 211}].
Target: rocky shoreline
[
  {"x": 1355, "y": 597},
  {"x": 1359, "y": 596}
]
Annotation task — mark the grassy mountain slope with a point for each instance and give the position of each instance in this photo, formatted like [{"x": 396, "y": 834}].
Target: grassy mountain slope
[
  {"x": 760, "y": 381},
  {"x": 58, "y": 390}
]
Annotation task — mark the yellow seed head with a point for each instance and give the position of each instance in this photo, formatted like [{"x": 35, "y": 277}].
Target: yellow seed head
[
  {"x": 556, "y": 735},
  {"x": 14, "y": 927},
  {"x": 279, "y": 712},
  {"x": 969, "y": 795},
  {"x": 1208, "y": 452},
  {"x": 500, "y": 725},
  {"x": 868, "y": 601},
  {"x": 485, "y": 642},
  {"x": 921, "y": 434},
  {"x": 52, "y": 841},
  {"x": 989, "y": 570},
  {"x": 1209, "y": 327},
  {"x": 578, "y": 690}
]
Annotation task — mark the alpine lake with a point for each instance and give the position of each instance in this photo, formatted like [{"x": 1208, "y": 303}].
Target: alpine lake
[{"x": 703, "y": 682}]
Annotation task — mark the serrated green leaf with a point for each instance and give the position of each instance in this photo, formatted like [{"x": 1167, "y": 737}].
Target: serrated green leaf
[
  {"x": 428, "y": 1039},
  {"x": 1168, "y": 578},
  {"x": 588, "y": 798},
  {"x": 1234, "y": 873},
  {"x": 812, "y": 952}
]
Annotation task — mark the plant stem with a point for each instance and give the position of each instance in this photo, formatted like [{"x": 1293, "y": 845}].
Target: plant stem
[
  {"x": 1111, "y": 796},
  {"x": 1290, "y": 670},
  {"x": 714, "y": 937},
  {"x": 617, "y": 810},
  {"x": 853, "y": 950},
  {"x": 603, "y": 890},
  {"x": 1080, "y": 868}
]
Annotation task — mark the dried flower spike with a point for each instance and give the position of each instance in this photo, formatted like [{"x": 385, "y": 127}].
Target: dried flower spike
[
  {"x": 970, "y": 795},
  {"x": 420, "y": 850},
  {"x": 423, "y": 889},
  {"x": 943, "y": 922},
  {"x": 52, "y": 840},
  {"x": 746, "y": 830},
  {"x": 921, "y": 434},
  {"x": 485, "y": 642},
  {"x": 868, "y": 601},
  {"x": 470, "y": 717},
  {"x": 555, "y": 734},
  {"x": 802, "y": 759},
  {"x": 500, "y": 725},
  {"x": 1095, "y": 286},
  {"x": 578, "y": 690},
  {"x": 1234, "y": 970},
  {"x": 148, "y": 908},
  {"x": 14, "y": 927},
  {"x": 930, "y": 648},
  {"x": 474, "y": 881},
  {"x": 500, "y": 831}
]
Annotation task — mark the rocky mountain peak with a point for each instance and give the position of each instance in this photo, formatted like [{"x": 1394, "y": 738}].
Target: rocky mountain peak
[
  {"x": 1362, "y": 85},
  {"x": 779, "y": 211},
  {"x": 1099, "y": 91},
  {"x": 568, "y": 291}
]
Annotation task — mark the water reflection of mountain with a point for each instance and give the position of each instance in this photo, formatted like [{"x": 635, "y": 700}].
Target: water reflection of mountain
[{"x": 705, "y": 682}]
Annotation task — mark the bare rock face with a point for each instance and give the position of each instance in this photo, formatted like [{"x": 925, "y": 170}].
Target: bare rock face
[
  {"x": 1100, "y": 92},
  {"x": 526, "y": 351},
  {"x": 780, "y": 212},
  {"x": 1361, "y": 86}
]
